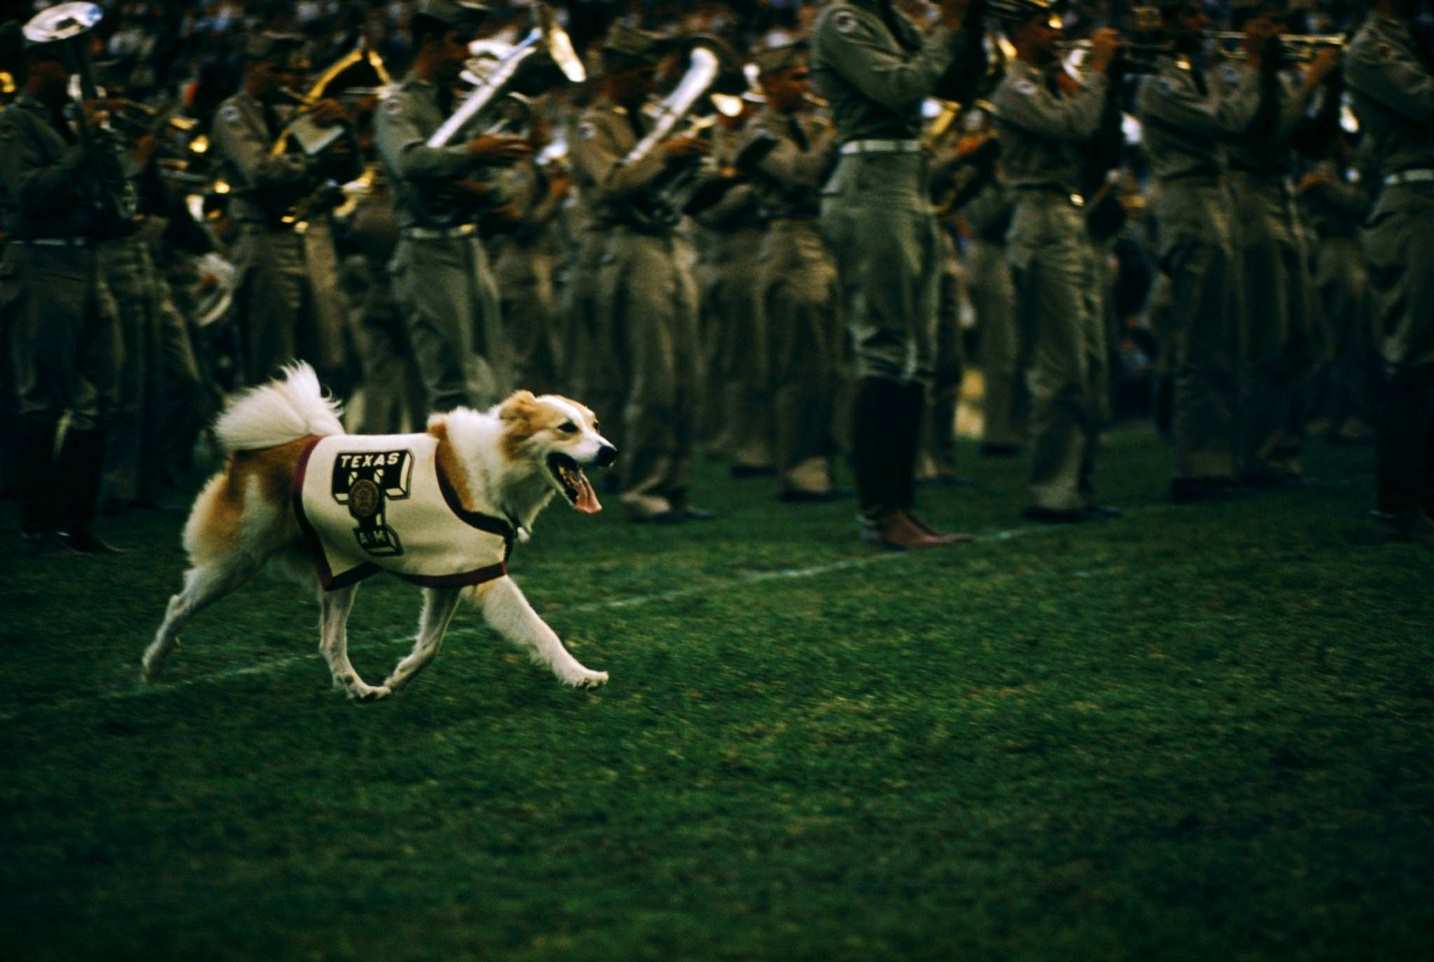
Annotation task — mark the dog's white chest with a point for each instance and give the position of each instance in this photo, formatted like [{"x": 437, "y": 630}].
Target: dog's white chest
[{"x": 371, "y": 503}]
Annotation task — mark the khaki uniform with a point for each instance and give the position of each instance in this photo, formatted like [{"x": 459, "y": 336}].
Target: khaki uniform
[
  {"x": 129, "y": 277},
  {"x": 64, "y": 338},
  {"x": 1187, "y": 128},
  {"x": 590, "y": 374},
  {"x": 1345, "y": 376},
  {"x": 524, "y": 270},
  {"x": 1275, "y": 349},
  {"x": 797, "y": 300},
  {"x": 1042, "y": 137},
  {"x": 1393, "y": 94},
  {"x": 993, "y": 298},
  {"x": 647, "y": 299},
  {"x": 737, "y": 345},
  {"x": 875, "y": 68},
  {"x": 937, "y": 461},
  {"x": 442, "y": 280},
  {"x": 288, "y": 296}
]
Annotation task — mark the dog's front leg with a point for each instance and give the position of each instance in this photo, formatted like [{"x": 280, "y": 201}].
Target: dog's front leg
[
  {"x": 439, "y": 604},
  {"x": 334, "y": 608},
  {"x": 508, "y": 613}
]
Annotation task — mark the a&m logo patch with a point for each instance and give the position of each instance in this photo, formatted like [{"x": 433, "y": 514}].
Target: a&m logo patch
[{"x": 365, "y": 482}]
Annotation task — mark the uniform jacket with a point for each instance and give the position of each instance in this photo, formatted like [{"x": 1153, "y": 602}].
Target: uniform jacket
[
  {"x": 40, "y": 169},
  {"x": 371, "y": 503},
  {"x": 790, "y": 176},
  {"x": 1188, "y": 128},
  {"x": 267, "y": 185},
  {"x": 1393, "y": 94},
  {"x": 1044, "y": 134},
  {"x": 616, "y": 187},
  {"x": 877, "y": 69}
]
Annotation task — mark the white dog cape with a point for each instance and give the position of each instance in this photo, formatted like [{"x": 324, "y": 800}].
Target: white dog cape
[{"x": 370, "y": 503}]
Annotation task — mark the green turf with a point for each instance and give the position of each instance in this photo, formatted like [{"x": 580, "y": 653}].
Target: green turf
[{"x": 1194, "y": 733}]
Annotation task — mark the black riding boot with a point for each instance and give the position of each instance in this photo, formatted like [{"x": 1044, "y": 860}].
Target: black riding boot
[{"x": 81, "y": 467}]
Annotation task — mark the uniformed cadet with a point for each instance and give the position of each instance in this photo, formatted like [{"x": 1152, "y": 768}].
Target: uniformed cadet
[
  {"x": 525, "y": 266},
  {"x": 993, "y": 298},
  {"x": 1275, "y": 338},
  {"x": 1390, "y": 79},
  {"x": 288, "y": 297},
  {"x": 737, "y": 346},
  {"x": 59, "y": 194},
  {"x": 796, "y": 283},
  {"x": 647, "y": 295},
  {"x": 1186, "y": 130},
  {"x": 875, "y": 67},
  {"x": 441, "y": 275},
  {"x": 1044, "y": 126},
  {"x": 1334, "y": 207}
]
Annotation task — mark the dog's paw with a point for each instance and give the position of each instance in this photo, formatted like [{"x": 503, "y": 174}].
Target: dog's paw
[
  {"x": 586, "y": 679},
  {"x": 358, "y": 690}
]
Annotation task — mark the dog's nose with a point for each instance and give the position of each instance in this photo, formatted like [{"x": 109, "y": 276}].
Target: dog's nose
[{"x": 607, "y": 454}]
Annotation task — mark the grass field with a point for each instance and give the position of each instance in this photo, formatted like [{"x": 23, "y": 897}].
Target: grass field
[{"x": 1193, "y": 733}]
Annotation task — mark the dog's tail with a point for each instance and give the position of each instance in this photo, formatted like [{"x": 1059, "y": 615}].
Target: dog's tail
[{"x": 284, "y": 410}]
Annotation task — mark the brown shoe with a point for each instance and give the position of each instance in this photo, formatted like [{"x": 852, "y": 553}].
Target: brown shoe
[
  {"x": 943, "y": 537},
  {"x": 895, "y": 532}
]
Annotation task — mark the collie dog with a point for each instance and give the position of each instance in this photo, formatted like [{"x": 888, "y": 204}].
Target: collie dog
[{"x": 442, "y": 509}]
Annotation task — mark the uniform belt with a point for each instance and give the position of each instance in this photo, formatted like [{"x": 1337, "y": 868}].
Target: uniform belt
[
  {"x": 881, "y": 147},
  {"x": 1076, "y": 200},
  {"x": 55, "y": 241},
  {"x": 434, "y": 233},
  {"x": 1420, "y": 176}
]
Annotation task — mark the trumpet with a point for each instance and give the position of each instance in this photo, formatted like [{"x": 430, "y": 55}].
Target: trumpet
[{"x": 1301, "y": 47}]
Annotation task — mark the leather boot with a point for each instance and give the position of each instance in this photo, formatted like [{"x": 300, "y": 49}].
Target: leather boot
[
  {"x": 81, "y": 467},
  {"x": 34, "y": 453},
  {"x": 907, "y": 431},
  {"x": 875, "y": 409}
]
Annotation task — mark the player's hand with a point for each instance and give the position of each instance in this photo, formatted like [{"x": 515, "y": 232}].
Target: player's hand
[
  {"x": 1104, "y": 44},
  {"x": 328, "y": 112},
  {"x": 499, "y": 149},
  {"x": 1326, "y": 62},
  {"x": 679, "y": 148}
]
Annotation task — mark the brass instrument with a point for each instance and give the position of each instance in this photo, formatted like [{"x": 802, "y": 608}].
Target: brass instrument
[
  {"x": 67, "y": 24},
  {"x": 1300, "y": 47},
  {"x": 311, "y": 137},
  {"x": 546, "y": 38}
]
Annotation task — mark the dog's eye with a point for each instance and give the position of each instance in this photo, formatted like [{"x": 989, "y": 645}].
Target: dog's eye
[{"x": 568, "y": 427}]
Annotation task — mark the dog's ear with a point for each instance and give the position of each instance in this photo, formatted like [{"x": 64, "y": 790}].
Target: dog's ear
[{"x": 519, "y": 408}]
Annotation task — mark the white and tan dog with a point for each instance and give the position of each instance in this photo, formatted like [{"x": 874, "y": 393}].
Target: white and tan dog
[{"x": 441, "y": 509}]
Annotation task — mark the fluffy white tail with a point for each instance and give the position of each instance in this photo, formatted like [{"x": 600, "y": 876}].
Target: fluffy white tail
[{"x": 281, "y": 411}]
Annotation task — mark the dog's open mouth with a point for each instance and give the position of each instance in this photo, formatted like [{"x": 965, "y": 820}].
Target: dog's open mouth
[{"x": 573, "y": 483}]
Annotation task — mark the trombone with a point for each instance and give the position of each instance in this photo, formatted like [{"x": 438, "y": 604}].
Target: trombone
[{"x": 546, "y": 38}]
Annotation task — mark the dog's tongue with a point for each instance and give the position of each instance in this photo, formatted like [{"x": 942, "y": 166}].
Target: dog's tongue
[{"x": 587, "y": 501}]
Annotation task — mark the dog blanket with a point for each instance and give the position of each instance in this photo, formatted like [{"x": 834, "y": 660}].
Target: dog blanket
[{"x": 371, "y": 503}]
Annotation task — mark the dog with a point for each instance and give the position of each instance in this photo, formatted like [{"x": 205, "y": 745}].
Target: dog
[{"x": 442, "y": 509}]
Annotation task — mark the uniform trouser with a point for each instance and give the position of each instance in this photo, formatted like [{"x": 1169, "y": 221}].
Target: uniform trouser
[
  {"x": 938, "y": 444},
  {"x": 133, "y": 470},
  {"x": 185, "y": 405},
  {"x": 393, "y": 395},
  {"x": 648, "y": 300},
  {"x": 739, "y": 376},
  {"x": 283, "y": 314},
  {"x": 1399, "y": 245},
  {"x": 1347, "y": 357},
  {"x": 993, "y": 297},
  {"x": 1273, "y": 335},
  {"x": 64, "y": 350},
  {"x": 445, "y": 291},
  {"x": 593, "y": 373},
  {"x": 797, "y": 301},
  {"x": 878, "y": 221},
  {"x": 1052, "y": 261},
  {"x": 524, "y": 274},
  {"x": 1197, "y": 258}
]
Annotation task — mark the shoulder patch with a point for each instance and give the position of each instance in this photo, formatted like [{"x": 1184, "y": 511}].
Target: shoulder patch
[
  {"x": 1027, "y": 87},
  {"x": 230, "y": 114},
  {"x": 1230, "y": 74},
  {"x": 392, "y": 105},
  {"x": 845, "y": 21},
  {"x": 587, "y": 130}
]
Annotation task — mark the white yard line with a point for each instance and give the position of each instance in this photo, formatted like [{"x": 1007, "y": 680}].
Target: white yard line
[{"x": 139, "y": 690}]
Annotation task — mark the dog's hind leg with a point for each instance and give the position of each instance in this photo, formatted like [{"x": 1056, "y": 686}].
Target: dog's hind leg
[
  {"x": 507, "y": 611},
  {"x": 203, "y": 585},
  {"x": 334, "y": 608},
  {"x": 439, "y": 604}
]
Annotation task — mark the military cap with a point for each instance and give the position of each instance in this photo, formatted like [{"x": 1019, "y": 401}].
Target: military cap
[
  {"x": 776, "y": 59},
  {"x": 1015, "y": 12},
  {"x": 629, "y": 45},
  {"x": 458, "y": 14},
  {"x": 285, "y": 49}
]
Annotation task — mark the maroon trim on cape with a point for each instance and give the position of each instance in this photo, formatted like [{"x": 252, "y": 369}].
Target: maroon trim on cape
[{"x": 353, "y": 576}]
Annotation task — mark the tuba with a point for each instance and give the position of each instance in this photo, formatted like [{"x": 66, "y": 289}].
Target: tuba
[
  {"x": 68, "y": 24},
  {"x": 546, "y": 39}
]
